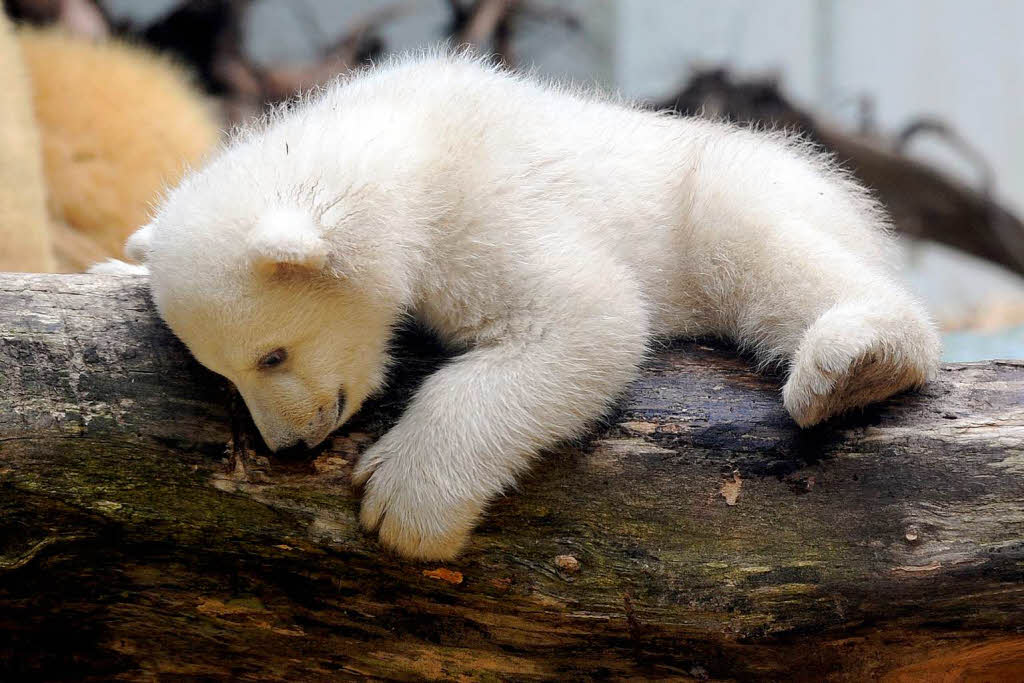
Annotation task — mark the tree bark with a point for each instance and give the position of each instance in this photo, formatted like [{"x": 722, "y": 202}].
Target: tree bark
[{"x": 145, "y": 533}]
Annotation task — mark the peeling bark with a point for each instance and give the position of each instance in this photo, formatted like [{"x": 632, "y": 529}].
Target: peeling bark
[{"x": 698, "y": 533}]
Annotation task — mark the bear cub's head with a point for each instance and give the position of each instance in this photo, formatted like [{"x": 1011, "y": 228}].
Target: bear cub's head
[{"x": 267, "y": 300}]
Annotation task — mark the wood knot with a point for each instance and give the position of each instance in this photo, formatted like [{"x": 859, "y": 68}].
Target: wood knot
[{"x": 567, "y": 563}]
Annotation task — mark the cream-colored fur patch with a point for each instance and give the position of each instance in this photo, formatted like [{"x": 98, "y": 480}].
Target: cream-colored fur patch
[
  {"x": 25, "y": 241},
  {"x": 116, "y": 124}
]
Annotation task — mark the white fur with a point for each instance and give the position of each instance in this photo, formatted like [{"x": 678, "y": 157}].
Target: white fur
[
  {"x": 114, "y": 267},
  {"x": 551, "y": 234},
  {"x": 137, "y": 245}
]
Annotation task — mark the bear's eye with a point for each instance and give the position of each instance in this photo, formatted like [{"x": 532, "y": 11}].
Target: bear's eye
[{"x": 272, "y": 359}]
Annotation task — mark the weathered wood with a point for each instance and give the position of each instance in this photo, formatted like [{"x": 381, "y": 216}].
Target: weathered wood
[{"x": 140, "y": 535}]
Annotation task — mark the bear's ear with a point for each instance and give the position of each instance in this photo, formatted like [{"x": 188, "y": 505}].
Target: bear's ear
[
  {"x": 289, "y": 239},
  {"x": 139, "y": 243}
]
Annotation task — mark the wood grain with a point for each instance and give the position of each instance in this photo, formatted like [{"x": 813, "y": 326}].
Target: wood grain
[{"x": 144, "y": 531}]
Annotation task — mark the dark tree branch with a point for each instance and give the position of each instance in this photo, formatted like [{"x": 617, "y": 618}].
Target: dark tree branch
[{"x": 923, "y": 202}]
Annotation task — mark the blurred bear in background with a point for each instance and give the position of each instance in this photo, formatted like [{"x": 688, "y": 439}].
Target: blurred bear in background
[{"x": 90, "y": 134}]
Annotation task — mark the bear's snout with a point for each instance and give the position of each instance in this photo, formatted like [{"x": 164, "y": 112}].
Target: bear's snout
[{"x": 280, "y": 433}]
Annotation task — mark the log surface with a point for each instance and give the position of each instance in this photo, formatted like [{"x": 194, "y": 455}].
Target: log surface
[{"x": 144, "y": 532}]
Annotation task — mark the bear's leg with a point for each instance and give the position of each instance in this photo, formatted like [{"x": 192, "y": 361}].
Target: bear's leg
[
  {"x": 847, "y": 331},
  {"x": 475, "y": 423},
  {"x": 856, "y": 353}
]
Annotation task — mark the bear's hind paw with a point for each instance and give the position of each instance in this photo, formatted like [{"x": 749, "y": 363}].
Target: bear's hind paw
[{"x": 852, "y": 357}]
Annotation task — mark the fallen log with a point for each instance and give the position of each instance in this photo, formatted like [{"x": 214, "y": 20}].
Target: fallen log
[{"x": 698, "y": 533}]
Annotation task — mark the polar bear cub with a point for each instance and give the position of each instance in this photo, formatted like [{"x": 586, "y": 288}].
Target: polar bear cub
[{"x": 550, "y": 234}]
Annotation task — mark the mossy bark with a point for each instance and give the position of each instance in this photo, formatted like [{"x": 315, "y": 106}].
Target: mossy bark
[{"x": 145, "y": 533}]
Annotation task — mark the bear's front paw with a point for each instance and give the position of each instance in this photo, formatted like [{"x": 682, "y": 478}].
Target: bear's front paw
[
  {"x": 856, "y": 355},
  {"x": 413, "y": 509}
]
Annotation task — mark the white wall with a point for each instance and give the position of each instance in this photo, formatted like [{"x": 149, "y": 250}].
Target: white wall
[
  {"x": 962, "y": 62},
  {"x": 660, "y": 43}
]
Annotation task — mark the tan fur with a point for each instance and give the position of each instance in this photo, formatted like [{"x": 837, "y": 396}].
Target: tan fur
[
  {"x": 25, "y": 242},
  {"x": 118, "y": 124}
]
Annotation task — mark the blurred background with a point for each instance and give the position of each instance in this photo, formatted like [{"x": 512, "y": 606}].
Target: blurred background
[{"x": 922, "y": 99}]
